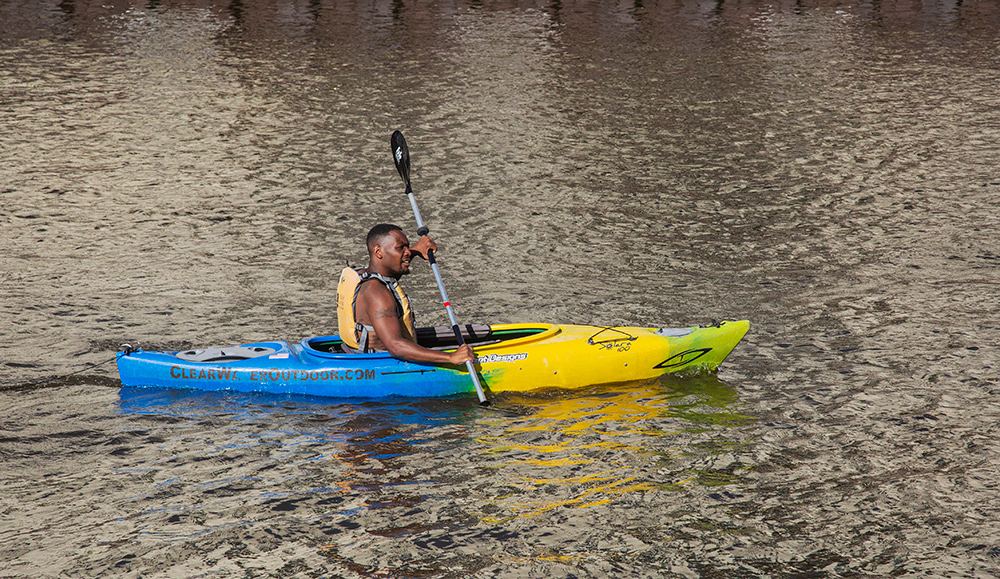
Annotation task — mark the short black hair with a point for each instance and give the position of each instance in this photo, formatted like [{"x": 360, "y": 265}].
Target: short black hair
[{"x": 378, "y": 232}]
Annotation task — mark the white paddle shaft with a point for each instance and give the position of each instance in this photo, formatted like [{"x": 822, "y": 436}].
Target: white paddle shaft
[{"x": 422, "y": 230}]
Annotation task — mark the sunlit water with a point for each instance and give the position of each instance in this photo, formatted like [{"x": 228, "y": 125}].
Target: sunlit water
[{"x": 189, "y": 174}]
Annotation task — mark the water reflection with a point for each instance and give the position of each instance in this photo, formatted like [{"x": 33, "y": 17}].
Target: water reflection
[
  {"x": 311, "y": 459},
  {"x": 352, "y": 416},
  {"x": 433, "y": 474},
  {"x": 547, "y": 450},
  {"x": 664, "y": 435}
]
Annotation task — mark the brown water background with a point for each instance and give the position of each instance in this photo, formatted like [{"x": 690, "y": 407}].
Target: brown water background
[{"x": 175, "y": 174}]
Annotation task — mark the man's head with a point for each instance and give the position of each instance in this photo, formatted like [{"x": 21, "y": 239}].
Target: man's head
[
  {"x": 388, "y": 250},
  {"x": 378, "y": 233}
]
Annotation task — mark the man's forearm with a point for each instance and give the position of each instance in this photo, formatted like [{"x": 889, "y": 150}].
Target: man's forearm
[{"x": 406, "y": 350}]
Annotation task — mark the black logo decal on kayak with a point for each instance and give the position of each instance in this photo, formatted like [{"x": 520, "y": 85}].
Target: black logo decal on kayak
[
  {"x": 683, "y": 359},
  {"x": 490, "y": 358}
]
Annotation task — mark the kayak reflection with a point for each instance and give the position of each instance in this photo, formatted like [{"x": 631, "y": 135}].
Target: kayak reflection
[
  {"x": 678, "y": 433},
  {"x": 234, "y": 405}
]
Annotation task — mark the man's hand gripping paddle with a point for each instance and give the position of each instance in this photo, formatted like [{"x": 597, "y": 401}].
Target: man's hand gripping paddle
[{"x": 401, "y": 157}]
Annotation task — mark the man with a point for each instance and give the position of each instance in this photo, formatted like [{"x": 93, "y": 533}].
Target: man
[{"x": 373, "y": 312}]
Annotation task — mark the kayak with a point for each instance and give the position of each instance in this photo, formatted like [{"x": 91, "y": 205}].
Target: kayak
[{"x": 510, "y": 357}]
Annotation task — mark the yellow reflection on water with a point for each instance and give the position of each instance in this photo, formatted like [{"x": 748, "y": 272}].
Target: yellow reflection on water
[{"x": 587, "y": 448}]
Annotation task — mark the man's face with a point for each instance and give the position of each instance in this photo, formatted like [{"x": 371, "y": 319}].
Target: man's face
[{"x": 395, "y": 249}]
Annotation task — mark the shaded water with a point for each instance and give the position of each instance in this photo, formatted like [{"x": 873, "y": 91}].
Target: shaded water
[{"x": 176, "y": 174}]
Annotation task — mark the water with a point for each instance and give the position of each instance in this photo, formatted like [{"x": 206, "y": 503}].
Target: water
[{"x": 187, "y": 174}]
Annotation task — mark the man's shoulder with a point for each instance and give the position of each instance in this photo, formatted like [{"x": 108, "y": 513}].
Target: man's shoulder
[{"x": 372, "y": 288}]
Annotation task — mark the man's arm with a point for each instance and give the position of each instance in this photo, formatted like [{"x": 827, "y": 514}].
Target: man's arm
[{"x": 375, "y": 303}]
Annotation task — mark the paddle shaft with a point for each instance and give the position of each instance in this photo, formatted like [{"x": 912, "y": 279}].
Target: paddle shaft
[
  {"x": 422, "y": 230},
  {"x": 401, "y": 157}
]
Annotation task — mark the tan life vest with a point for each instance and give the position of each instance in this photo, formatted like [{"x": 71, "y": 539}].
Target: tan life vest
[{"x": 356, "y": 335}]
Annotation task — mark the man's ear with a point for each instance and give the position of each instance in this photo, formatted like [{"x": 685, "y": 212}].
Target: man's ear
[{"x": 378, "y": 252}]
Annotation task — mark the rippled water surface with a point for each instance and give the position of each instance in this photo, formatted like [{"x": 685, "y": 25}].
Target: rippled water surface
[{"x": 178, "y": 174}]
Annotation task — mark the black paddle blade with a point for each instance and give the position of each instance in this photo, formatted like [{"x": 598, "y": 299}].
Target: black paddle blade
[{"x": 401, "y": 157}]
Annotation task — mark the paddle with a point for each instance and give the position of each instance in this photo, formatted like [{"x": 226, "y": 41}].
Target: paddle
[{"x": 401, "y": 157}]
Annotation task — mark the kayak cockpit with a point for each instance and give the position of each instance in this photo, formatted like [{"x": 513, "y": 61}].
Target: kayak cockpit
[{"x": 442, "y": 337}]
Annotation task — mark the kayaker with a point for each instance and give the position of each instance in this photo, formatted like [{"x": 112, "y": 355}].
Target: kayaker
[{"x": 376, "y": 317}]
